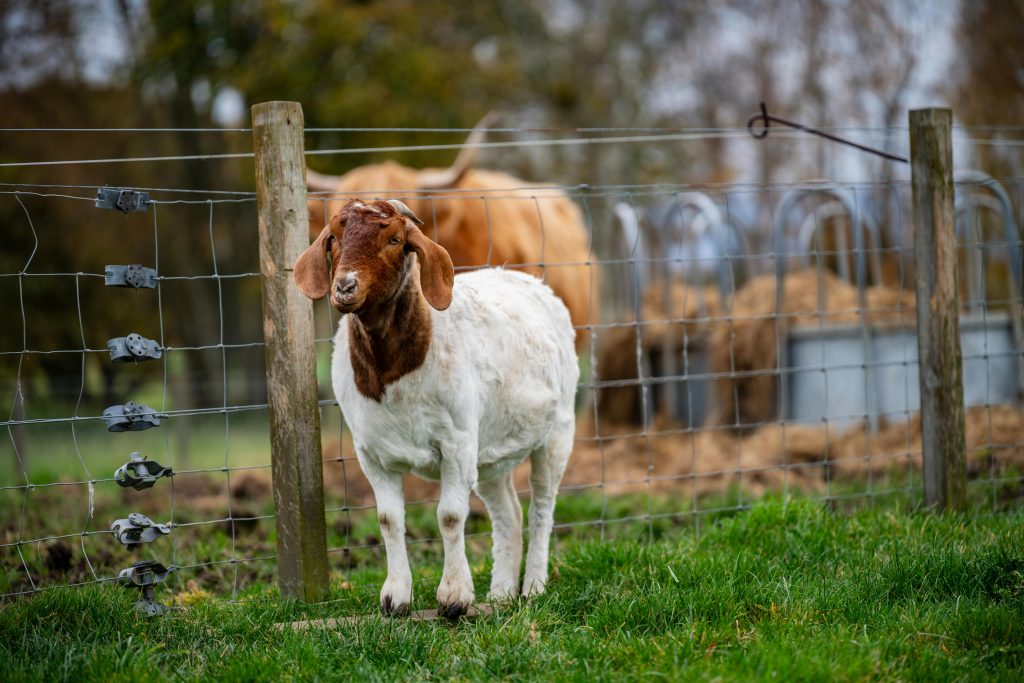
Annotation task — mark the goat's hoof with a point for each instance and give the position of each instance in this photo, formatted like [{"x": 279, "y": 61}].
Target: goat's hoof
[
  {"x": 506, "y": 593},
  {"x": 388, "y": 609},
  {"x": 453, "y": 611},
  {"x": 396, "y": 597},
  {"x": 455, "y": 594},
  {"x": 534, "y": 587}
]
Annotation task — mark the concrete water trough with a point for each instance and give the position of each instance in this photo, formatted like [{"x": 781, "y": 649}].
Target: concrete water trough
[
  {"x": 851, "y": 373},
  {"x": 844, "y": 374}
]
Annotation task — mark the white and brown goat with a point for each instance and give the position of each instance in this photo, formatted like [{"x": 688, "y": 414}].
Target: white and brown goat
[{"x": 452, "y": 378}]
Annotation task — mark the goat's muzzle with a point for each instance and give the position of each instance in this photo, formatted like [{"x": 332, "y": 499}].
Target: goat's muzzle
[{"x": 346, "y": 296}]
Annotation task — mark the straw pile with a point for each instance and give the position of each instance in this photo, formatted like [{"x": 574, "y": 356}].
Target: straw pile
[
  {"x": 749, "y": 343},
  {"x": 797, "y": 457},
  {"x": 674, "y": 319},
  {"x": 742, "y": 337}
]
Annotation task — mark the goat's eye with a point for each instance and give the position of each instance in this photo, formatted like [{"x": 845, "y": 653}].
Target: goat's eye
[{"x": 394, "y": 240}]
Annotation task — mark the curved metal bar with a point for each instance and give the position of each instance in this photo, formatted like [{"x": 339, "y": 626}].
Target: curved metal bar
[
  {"x": 726, "y": 237},
  {"x": 969, "y": 182},
  {"x": 703, "y": 204},
  {"x": 973, "y": 179},
  {"x": 635, "y": 244},
  {"x": 969, "y": 235},
  {"x": 811, "y": 228},
  {"x": 861, "y": 223}
]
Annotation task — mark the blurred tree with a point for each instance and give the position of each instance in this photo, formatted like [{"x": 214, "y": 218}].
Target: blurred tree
[
  {"x": 388, "y": 63},
  {"x": 989, "y": 90},
  {"x": 45, "y": 83},
  {"x": 37, "y": 39}
]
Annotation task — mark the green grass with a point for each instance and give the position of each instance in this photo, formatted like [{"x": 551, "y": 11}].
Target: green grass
[{"x": 785, "y": 591}]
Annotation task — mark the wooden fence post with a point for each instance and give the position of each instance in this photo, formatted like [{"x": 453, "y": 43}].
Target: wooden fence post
[
  {"x": 938, "y": 310},
  {"x": 296, "y": 456}
]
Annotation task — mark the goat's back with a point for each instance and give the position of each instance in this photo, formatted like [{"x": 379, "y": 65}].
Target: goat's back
[{"x": 501, "y": 365}]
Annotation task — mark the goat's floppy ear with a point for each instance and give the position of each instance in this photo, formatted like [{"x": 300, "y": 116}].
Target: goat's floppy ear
[
  {"x": 437, "y": 274},
  {"x": 311, "y": 267}
]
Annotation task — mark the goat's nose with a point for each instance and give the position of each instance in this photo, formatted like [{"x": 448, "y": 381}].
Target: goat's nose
[{"x": 347, "y": 287}]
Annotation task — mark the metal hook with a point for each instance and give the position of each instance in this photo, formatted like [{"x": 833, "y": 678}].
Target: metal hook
[{"x": 767, "y": 118}]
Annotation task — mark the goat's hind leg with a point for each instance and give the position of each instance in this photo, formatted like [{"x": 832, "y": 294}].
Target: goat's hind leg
[
  {"x": 546, "y": 468},
  {"x": 499, "y": 495}
]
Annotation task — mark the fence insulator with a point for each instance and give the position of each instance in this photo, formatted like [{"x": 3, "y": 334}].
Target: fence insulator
[
  {"x": 133, "y": 348},
  {"x": 131, "y": 417},
  {"x": 139, "y": 473},
  {"x": 134, "y": 275},
  {"x": 138, "y": 529},
  {"x": 144, "y": 576},
  {"x": 123, "y": 200}
]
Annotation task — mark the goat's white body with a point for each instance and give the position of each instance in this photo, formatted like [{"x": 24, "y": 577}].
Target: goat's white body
[{"x": 497, "y": 386}]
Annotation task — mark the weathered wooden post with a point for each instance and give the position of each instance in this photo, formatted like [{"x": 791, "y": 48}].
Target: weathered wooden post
[
  {"x": 296, "y": 457},
  {"x": 938, "y": 309}
]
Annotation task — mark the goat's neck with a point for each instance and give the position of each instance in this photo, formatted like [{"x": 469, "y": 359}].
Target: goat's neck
[{"x": 389, "y": 341}]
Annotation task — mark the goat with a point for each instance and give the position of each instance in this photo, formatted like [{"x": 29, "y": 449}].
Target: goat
[
  {"x": 482, "y": 218},
  {"x": 453, "y": 378}
]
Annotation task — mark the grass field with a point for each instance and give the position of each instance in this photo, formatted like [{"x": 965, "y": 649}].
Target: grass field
[{"x": 786, "y": 591}]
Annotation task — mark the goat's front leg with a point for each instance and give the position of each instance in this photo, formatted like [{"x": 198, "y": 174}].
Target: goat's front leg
[
  {"x": 396, "y": 594},
  {"x": 458, "y": 476}
]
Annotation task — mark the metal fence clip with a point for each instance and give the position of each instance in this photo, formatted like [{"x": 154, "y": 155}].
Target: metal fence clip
[
  {"x": 138, "y": 529},
  {"x": 144, "y": 576},
  {"x": 131, "y": 417},
  {"x": 133, "y": 348},
  {"x": 121, "y": 199},
  {"x": 139, "y": 473},
  {"x": 135, "y": 275}
]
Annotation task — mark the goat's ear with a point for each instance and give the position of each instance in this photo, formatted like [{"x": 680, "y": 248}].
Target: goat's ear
[
  {"x": 437, "y": 274},
  {"x": 311, "y": 267}
]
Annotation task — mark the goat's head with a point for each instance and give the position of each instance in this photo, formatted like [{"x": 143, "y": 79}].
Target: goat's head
[{"x": 370, "y": 245}]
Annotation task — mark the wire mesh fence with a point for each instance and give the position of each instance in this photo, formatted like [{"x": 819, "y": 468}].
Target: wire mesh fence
[
  {"x": 60, "y": 487},
  {"x": 735, "y": 340}
]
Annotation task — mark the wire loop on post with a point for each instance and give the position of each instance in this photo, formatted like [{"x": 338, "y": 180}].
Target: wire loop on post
[{"x": 767, "y": 118}]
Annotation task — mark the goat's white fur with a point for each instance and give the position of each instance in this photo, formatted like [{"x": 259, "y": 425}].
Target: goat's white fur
[{"x": 498, "y": 385}]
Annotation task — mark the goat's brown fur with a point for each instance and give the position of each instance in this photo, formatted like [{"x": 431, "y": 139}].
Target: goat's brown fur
[
  {"x": 389, "y": 322},
  {"x": 382, "y": 355}
]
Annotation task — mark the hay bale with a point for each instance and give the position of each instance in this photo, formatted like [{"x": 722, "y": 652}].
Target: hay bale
[
  {"x": 690, "y": 308},
  {"x": 748, "y": 341}
]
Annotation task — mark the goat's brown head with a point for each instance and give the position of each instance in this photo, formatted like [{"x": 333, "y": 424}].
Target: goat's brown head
[{"x": 370, "y": 246}]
